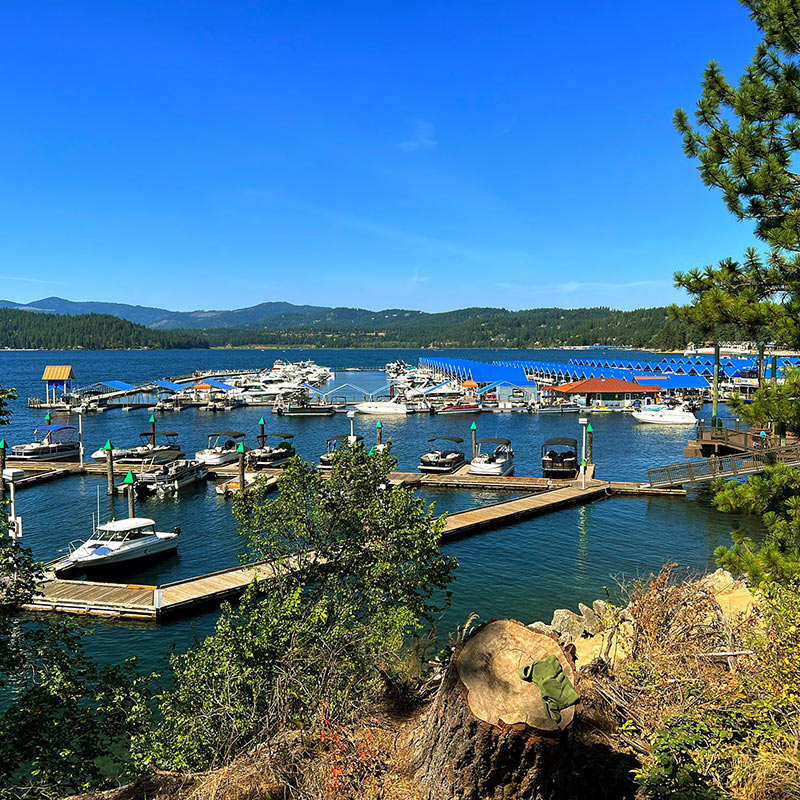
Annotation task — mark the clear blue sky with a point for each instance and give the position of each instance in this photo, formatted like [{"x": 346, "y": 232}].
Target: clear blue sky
[{"x": 426, "y": 155}]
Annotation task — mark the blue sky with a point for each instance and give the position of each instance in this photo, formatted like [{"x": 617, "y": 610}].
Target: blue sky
[{"x": 428, "y": 155}]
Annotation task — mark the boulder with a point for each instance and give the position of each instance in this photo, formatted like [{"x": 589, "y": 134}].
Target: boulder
[
  {"x": 569, "y": 625},
  {"x": 721, "y": 581},
  {"x": 542, "y": 627},
  {"x": 591, "y": 622}
]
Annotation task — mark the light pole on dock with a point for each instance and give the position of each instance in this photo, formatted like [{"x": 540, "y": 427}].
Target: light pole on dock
[{"x": 715, "y": 389}]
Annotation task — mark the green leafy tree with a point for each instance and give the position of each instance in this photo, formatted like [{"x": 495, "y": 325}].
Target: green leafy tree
[
  {"x": 775, "y": 498},
  {"x": 357, "y": 569}
]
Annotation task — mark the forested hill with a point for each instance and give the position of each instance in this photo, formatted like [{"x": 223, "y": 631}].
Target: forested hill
[
  {"x": 483, "y": 327},
  {"x": 28, "y": 330},
  {"x": 468, "y": 327}
]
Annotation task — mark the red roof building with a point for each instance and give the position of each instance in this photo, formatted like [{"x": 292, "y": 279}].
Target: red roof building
[{"x": 606, "y": 388}]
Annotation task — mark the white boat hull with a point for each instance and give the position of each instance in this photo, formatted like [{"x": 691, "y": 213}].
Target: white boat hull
[
  {"x": 216, "y": 459},
  {"x": 665, "y": 417},
  {"x": 495, "y": 468},
  {"x": 382, "y": 408}
]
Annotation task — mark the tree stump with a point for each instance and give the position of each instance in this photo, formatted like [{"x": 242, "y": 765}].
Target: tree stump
[{"x": 487, "y": 734}]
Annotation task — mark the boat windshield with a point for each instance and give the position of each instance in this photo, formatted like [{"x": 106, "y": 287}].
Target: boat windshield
[{"x": 124, "y": 535}]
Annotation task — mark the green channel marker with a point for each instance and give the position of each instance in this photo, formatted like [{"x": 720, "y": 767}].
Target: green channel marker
[
  {"x": 473, "y": 427},
  {"x": 379, "y": 425},
  {"x": 108, "y": 446},
  {"x": 589, "y": 428},
  {"x": 152, "y": 419},
  {"x": 47, "y": 417},
  {"x": 240, "y": 448},
  {"x": 261, "y": 421},
  {"x": 2, "y": 444},
  {"x": 129, "y": 479}
]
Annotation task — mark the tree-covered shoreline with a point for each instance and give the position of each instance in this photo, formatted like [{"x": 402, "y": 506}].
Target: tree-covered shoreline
[{"x": 647, "y": 328}]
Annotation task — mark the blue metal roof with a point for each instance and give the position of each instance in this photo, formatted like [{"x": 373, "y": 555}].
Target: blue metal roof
[
  {"x": 53, "y": 428},
  {"x": 478, "y": 371},
  {"x": 218, "y": 384},
  {"x": 121, "y": 385},
  {"x": 173, "y": 387}
]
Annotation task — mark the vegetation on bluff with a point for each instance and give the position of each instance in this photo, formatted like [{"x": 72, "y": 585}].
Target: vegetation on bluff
[{"x": 27, "y": 330}]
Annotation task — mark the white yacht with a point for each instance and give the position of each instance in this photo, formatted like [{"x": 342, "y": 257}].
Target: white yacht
[
  {"x": 383, "y": 407},
  {"x": 496, "y": 461},
  {"x": 221, "y": 448},
  {"x": 122, "y": 541},
  {"x": 664, "y": 415},
  {"x": 57, "y": 444}
]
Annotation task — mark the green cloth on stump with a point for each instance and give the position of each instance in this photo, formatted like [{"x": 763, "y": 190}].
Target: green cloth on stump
[{"x": 556, "y": 690}]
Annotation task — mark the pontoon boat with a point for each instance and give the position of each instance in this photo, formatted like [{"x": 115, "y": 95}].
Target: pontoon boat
[
  {"x": 442, "y": 460},
  {"x": 57, "y": 444}
]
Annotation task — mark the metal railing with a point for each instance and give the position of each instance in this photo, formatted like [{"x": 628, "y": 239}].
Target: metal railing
[
  {"x": 735, "y": 437},
  {"x": 707, "y": 469}
]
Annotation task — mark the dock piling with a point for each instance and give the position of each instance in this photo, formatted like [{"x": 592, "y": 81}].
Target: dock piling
[
  {"x": 261, "y": 436},
  {"x": 2, "y": 466},
  {"x": 153, "y": 430},
  {"x": 240, "y": 451},
  {"x": 589, "y": 444},
  {"x": 379, "y": 430},
  {"x": 474, "y": 429},
  {"x": 129, "y": 481},
  {"x": 109, "y": 450}
]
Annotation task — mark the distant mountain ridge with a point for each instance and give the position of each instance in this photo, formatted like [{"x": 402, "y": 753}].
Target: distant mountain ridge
[{"x": 153, "y": 317}]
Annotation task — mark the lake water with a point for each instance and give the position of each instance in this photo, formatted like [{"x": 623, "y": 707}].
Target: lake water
[{"x": 525, "y": 570}]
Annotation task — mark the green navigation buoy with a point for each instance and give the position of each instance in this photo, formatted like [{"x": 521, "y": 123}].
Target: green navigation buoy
[
  {"x": 129, "y": 479},
  {"x": 261, "y": 421},
  {"x": 152, "y": 419},
  {"x": 379, "y": 425},
  {"x": 47, "y": 417},
  {"x": 108, "y": 446},
  {"x": 240, "y": 448},
  {"x": 589, "y": 428},
  {"x": 473, "y": 427}
]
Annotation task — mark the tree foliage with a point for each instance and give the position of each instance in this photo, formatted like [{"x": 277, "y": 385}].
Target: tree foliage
[
  {"x": 745, "y": 138},
  {"x": 775, "y": 498},
  {"x": 357, "y": 569}
]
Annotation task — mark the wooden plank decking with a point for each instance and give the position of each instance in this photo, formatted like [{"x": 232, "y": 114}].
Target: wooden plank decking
[{"x": 474, "y": 519}]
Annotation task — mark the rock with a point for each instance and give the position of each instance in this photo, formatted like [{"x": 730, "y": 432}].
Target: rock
[
  {"x": 569, "y": 625},
  {"x": 542, "y": 627},
  {"x": 590, "y": 620},
  {"x": 721, "y": 581},
  {"x": 604, "y": 611}
]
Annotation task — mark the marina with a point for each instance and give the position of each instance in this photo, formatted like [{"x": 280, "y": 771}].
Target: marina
[{"x": 493, "y": 506}]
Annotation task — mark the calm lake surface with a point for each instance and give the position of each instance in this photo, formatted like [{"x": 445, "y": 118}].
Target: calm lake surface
[{"x": 525, "y": 570}]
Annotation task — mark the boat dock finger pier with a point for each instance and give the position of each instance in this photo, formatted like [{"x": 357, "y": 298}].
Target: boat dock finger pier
[{"x": 134, "y": 601}]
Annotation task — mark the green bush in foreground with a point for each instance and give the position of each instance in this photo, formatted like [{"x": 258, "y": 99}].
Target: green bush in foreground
[{"x": 357, "y": 562}]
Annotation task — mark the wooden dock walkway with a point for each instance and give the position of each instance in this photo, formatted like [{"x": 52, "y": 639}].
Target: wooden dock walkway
[{"x": 490, "y": 516}]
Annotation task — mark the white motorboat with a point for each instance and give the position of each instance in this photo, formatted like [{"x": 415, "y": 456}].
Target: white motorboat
[
  {"x": 170, "y": 478},
  {"x": 382, "y": 407},
  {"x": 498, "y": 460},
  {"x": 665, "y": 416},
  {"x": 442, "y": 460},
  {"x": 57, "y": 444},
  {"x": 147, "y": 452},
  {"x": 122, "y": 541},
  {"x": 334, "y": 443},
  {"x": 268, "y": 456},
  {"x": 221, "y": 448}
]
